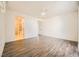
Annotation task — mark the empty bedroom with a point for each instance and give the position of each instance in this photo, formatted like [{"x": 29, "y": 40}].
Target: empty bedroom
[{"x": 39, "y": 29}]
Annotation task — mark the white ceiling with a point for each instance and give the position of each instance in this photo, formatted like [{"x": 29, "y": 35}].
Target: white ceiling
[{"x": 34, "y": 8}]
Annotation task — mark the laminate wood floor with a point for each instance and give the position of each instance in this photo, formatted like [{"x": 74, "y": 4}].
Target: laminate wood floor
[{"x": 41, "y": 46}]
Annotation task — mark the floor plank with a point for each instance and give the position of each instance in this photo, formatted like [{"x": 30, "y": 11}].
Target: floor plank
[{"x": 41, "y": 47}]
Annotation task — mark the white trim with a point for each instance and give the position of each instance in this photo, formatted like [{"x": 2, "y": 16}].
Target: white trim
[{"x": 56, "y": 37}]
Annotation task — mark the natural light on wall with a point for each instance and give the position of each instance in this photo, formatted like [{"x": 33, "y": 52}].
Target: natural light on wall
[{"x": 19, "y": 27}]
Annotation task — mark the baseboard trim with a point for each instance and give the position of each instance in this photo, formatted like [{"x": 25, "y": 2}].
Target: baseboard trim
[
  {"x": 22, "y": 39},
  {"x": 57, "y": 37}
]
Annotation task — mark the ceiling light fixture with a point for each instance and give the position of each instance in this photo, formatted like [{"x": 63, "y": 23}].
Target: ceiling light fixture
[
  {"x": 43, "y": 13},
  {"x": 2, "y": 6}
]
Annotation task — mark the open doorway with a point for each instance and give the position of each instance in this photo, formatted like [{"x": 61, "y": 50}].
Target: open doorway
[{"x": 19, "y": 27}]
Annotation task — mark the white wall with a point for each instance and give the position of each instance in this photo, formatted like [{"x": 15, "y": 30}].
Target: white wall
[
  {"x": 30, "y": 24},
  {"x": 2, "y": 32},
  {"x": 31, "y": 27},
  {"x": 61, "y": 26}
]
